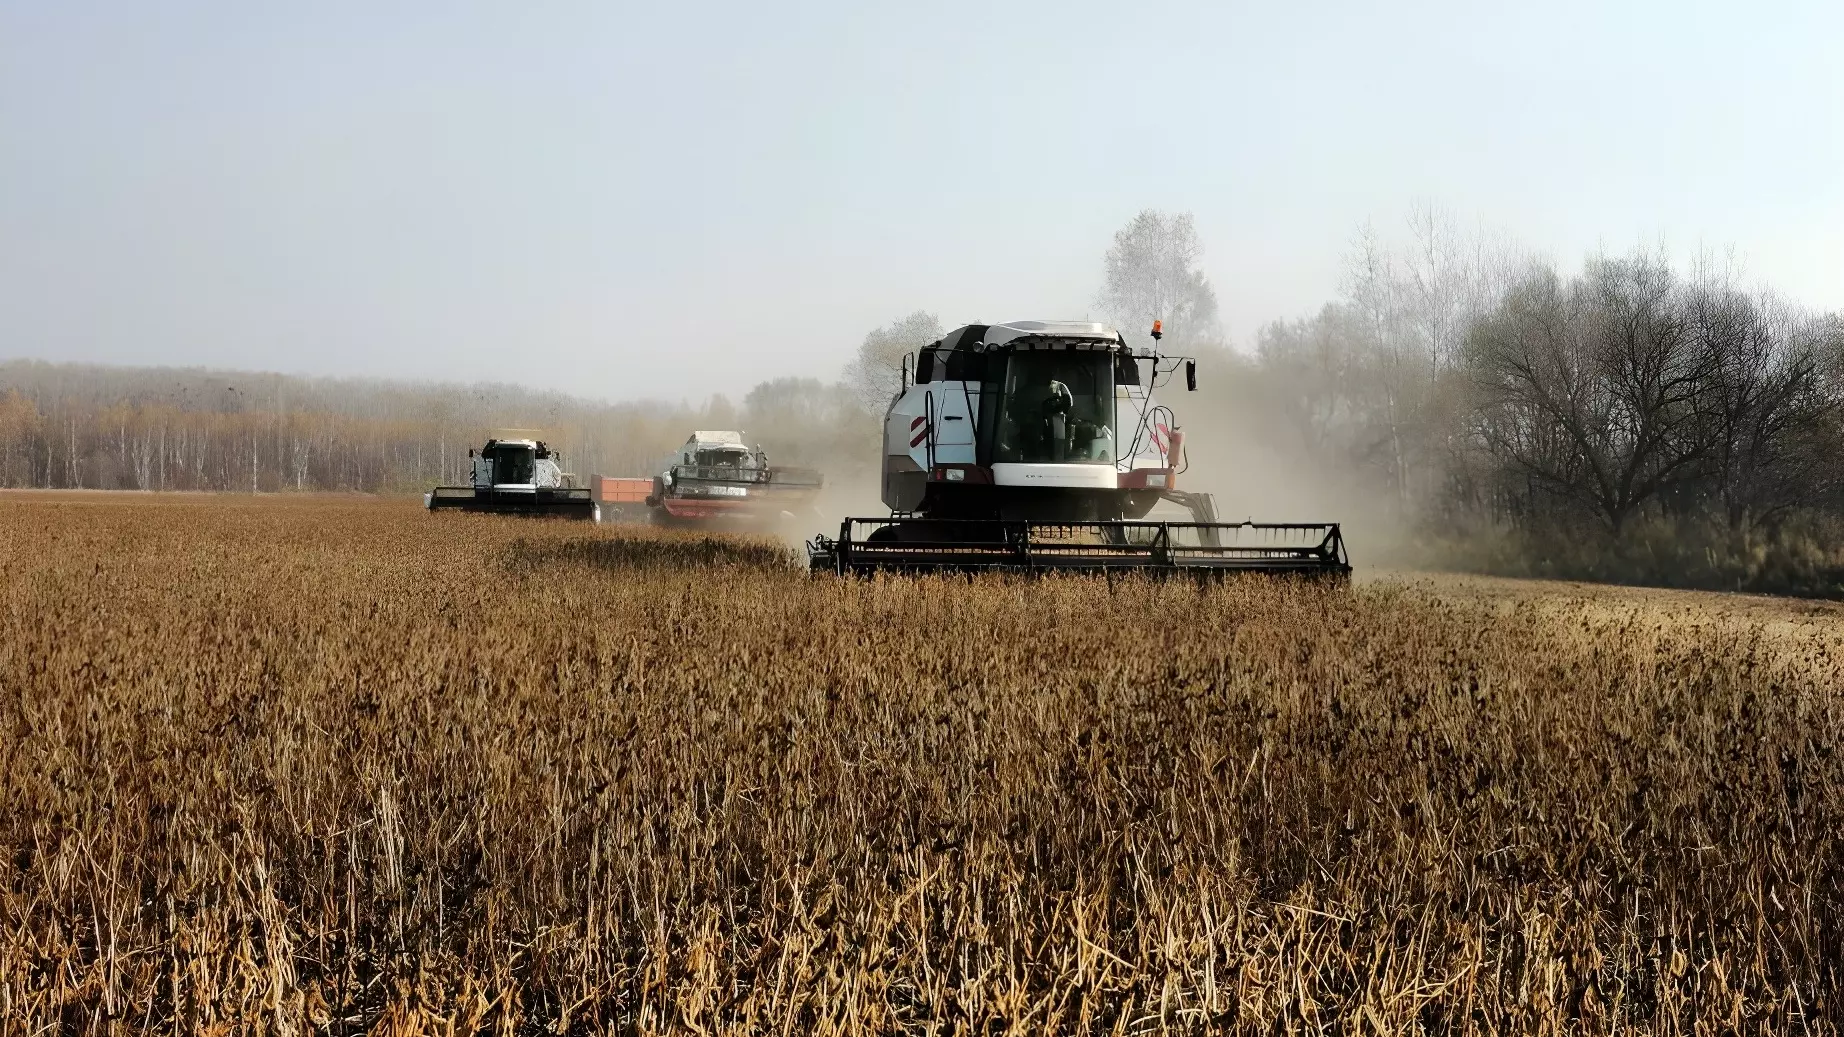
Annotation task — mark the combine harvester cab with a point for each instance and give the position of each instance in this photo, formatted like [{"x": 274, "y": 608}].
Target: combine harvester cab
[
  {"x": 516, "y": 477},
  {"x": 717, "y": 482},
  {"x": 1037, "y": 446}
]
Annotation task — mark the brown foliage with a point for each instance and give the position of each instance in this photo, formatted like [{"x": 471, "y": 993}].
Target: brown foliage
[{"x": 276, "y": 765}]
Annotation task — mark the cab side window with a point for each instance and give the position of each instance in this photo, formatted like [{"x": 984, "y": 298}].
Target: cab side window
[
  {"x": 950, "y": 365},
  {"x": 1126, "y": 370},
  {"x": 965, "y": 365}
]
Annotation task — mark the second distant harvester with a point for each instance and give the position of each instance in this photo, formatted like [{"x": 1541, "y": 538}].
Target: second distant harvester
[{"x": 717, "y": 481}]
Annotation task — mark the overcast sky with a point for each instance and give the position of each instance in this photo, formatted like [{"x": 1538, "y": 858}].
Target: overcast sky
[{"x": 669, "y": 199}]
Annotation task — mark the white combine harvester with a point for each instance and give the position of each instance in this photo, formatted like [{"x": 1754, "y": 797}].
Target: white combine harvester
[
  {"x": 516, "y": 477},
  {"x": 1038, "y": 445},
  {"x": 717, "y": 481}
]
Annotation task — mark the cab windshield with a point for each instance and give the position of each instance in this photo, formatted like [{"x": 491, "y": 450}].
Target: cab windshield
[
  {"x": 512, "y": 465},
  {"x": 1058, "y": 408},
  {"x": 712, "y": 458}
]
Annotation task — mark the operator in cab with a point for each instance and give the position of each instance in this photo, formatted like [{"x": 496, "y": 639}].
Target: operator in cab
[
  {"x": 1081, "y": 439},
  {"x": 1059, "y": 400},
  {"x": 1056, "y": 407}
]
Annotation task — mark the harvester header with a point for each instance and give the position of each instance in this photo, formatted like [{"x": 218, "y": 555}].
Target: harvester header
[{"x": 1158, "y": 548}]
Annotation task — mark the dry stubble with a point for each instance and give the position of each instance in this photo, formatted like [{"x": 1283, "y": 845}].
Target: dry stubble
[{"x": 272, "y": 766}]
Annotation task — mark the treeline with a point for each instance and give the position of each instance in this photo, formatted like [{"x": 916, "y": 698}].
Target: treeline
[
  {"x": 78, "y": 426},
  {"x": 1628, "y": 422}
]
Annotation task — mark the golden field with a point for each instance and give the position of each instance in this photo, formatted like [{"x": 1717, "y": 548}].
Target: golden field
[{"x": 294, "y": 765}]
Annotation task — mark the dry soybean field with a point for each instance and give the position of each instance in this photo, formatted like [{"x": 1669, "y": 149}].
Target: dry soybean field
[{"x": 295, "y": 765}]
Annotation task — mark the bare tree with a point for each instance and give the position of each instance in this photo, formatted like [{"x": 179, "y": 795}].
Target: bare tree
[
  {"x": 807, "y": 421},
  {"x": 875, "y": 375},
  {"x": 1594, "y": 391},
  {"x": 1311, "y": 372},
  {"x": 1392, "y": 357},
  {"x": 1765, "y": 404},
  {"x": 1152, "y": 274}
]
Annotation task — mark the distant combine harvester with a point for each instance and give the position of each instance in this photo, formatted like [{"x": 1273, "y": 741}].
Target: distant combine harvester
[
  {"x": 716, "y": 481},
  {"x": 517, "y": 476}
]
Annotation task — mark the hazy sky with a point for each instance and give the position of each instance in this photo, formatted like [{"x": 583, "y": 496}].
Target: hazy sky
[{"x": 669, "y": 199}]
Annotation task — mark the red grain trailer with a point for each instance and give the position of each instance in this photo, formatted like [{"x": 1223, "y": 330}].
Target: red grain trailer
[{"x": 621, "y": 499}]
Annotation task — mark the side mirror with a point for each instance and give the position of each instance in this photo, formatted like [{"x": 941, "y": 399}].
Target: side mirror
[{"x": 1190, "y": 376}]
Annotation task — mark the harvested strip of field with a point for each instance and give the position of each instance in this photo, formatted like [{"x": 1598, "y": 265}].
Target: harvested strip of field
[{"x": 348, "y": 765}]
